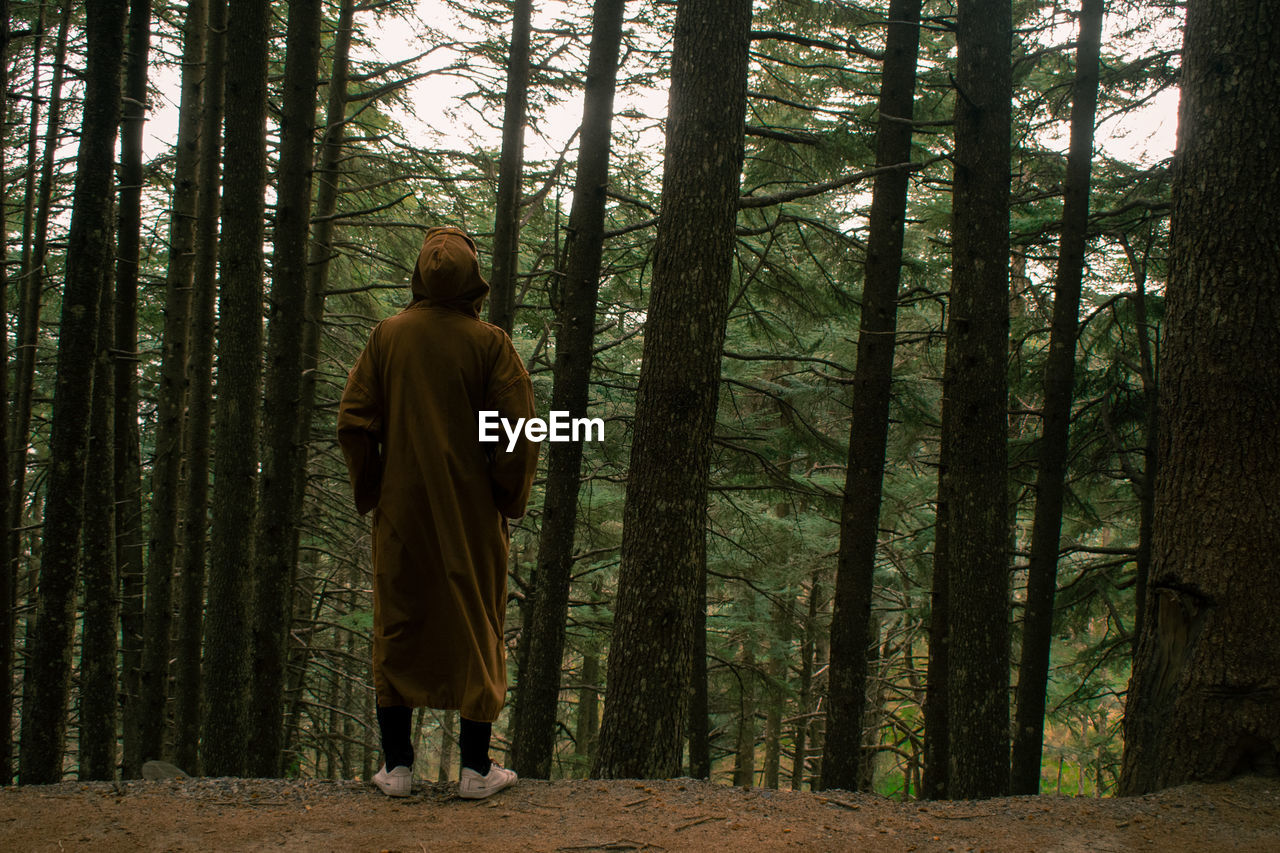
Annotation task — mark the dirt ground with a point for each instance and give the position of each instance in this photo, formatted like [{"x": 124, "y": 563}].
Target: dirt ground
[{"x": 316, "y": 816}]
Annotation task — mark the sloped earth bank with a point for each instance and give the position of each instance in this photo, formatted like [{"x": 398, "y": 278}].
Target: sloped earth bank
[{"x": 316, "y": 816}]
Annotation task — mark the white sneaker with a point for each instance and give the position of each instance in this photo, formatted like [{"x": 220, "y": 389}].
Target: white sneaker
[
  {"x": 394, "y": 783},
  {"x": 473, "y": 786}
]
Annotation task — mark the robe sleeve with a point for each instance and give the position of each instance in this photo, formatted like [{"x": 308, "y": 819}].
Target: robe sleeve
[
  {"x": 510, "y": 393},
  {"x": 360, "y": 420}
]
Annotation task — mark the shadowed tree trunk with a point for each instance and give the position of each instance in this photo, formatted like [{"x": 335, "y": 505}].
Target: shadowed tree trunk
[
  {"x": 506, "y": 224},
  {"x": 534, "y": 718},
  {"x": 664, "y": 519},
  {"x": 744, "y": 753},
  {"x": 937, "y": 731},
  {"x": 239, "y": 359},
  {"x": 699, "y": 726},
  {"x": 98, "y": 675},
  {"x": 1046, "y": 529},
  {"x": 975, "y": 422},
  {"x": 8, "y": 577},
  {"x": 144, "y": 696},
  {"x": 188, "y": 684},
  {"x": 30, "y": 291},
  {"x": 48, "y": 665},
  {"x": 588, "y": 716},
  {"x": 279, "y": 514},
  {"x": 171, "y": 394},
  {"x": 869, "y": 423},
  {"x": 1204, "y": 700}
]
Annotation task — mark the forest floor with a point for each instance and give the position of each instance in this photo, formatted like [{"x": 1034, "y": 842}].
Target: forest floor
[{"x": 581, "y": 816}]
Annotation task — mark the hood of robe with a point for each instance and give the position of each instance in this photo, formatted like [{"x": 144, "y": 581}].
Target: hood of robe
[{"x": 448, "y": 272}]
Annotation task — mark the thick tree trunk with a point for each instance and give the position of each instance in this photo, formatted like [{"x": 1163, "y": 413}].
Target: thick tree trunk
[
  {"x": 280, "y": 509},
  {"x": 98, "y": 644},
  {"x": 664, "y": 520},
  {"x": 189, "y": 687},
  {"x": 975, "y": 423},
  {"x": 506, "y": 225},
  {"x": 533, "y": 723},
  {"x": 239, "y": 355},
  {"x": 1046, "y": 529},
  {"x": 48, "y": 665},
  {"x": 699, "y": 725},
  {"x": 869, "y": 424},
  {"x": 172, "y": 392},
  {"x": 144, "y": 723},
  {"x": 1204, "y": 700}
]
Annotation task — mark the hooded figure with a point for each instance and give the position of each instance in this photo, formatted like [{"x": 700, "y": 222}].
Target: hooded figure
[{"x": 407, "y": 425}]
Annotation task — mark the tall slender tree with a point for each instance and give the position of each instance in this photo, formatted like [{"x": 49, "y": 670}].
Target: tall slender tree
[
  {"x": 1046, "y": 529},
  {"x": 139, "y": 744},
  {"x": 1204, "y": 700},
  {"x": 506, "y": 224},
  {"x": 869, "y": 421},
  {"x": 189, "y": 688},
  {"x": 534, "y": 719},
  {"x": 664, "y": 519},
  {"x": 975, "y": 419},
  {"x": 279, "y": 516},
  {"x": 172, "y": 391},
  {"x": 6, "y": 494},
  {"x": 48, "y": 668},
  {"x": 239, "y": 358}
]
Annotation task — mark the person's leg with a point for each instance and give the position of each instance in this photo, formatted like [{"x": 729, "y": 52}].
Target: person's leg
[
  {"x": 397, "y": 745},
  {"x": 474, "y": 740}
]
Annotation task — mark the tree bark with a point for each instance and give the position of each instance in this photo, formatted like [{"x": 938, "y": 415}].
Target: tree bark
[
  {"x": 172, "y": 392},
  {"x": 805, "y": 700},
  {"x": 239, "y": 359},
  {"x": 869, "y": 423},
  {"x": 1204, "y": 700},
  {"x": 31, "y": 289},
  {"x": 534, "y": 718},
  {"x": 189, "y": 687},
  {"x": 744, "y": 753},
  {"x": 937, "y": 729},
  {"x": 1046, "y": 528},
  {"x": 7, "y": 576},
  {"x": 140, "y": 743},
  {"x": 506, "y": 224},
  {"x": 98, "y": 644},
  {"x": 664, "y": 519},
  {"x": 975, "y": 423},
  {"x": 48, "y": 666},
  {"x": 279, "y": 516}
]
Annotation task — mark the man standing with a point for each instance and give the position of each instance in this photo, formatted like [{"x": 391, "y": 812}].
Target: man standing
[{"x": 407, "y": 425}]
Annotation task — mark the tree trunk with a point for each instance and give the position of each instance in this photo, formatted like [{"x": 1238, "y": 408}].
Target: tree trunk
[
  {"x": 506, "y": 224},
  {"x": 937, "y": 730},
  {"x": 34, "y": 242},
  {"x": 805, "y": 701},
  {"x": 975, "y": 424},
  {"x": 7, "y": 576},
  {"x": 239, "y": 354},
  {"x": 699, "y": 726},
  {"x": 869, "y": 424},
  {"x": 48, "y": 665},
  {"x": 280, "y": 512},
  {"x": 664, "y": 519},
  {"x": 189, "y": 687},
  {"x": 98, "y": 674},
  {"x": 777, "y": 670},
  {"x": 1046, "y": 529},
  {"x": 172, "y": 392},
  {"x": 744, "y": 756},
  {"x": 534, "y": 717},
  {"x": 1204, "y": 700},
  {"x": 144, "y": 698}
]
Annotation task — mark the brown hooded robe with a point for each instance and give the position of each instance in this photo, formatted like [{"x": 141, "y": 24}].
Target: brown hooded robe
[{"x": 440, "y": 499}]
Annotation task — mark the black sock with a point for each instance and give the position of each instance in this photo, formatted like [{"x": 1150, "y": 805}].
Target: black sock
[
  {"x": 474, "y": 740},
  {"x": 394, "y": 723}
]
